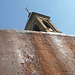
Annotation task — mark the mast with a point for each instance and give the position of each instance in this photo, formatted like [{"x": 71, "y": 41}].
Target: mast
[{"x": 29, "y": 13}]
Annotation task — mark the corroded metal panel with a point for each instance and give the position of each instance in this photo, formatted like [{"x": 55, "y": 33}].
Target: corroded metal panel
[{"x": 36, "y": 53}]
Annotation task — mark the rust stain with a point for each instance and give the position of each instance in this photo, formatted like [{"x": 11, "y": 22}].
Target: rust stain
[{"x": 36, "y": 53}]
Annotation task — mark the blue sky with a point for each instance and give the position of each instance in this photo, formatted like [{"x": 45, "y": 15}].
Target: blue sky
[{"x": 62, "y": 13}]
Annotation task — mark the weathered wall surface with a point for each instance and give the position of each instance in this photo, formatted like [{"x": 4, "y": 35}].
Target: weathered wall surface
[{"x": 36, "y": 53}]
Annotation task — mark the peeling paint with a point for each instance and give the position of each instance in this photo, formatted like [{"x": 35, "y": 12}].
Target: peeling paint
[{"x": 36, "y": 53}]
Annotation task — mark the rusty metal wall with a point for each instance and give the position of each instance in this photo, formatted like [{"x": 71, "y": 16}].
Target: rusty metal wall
[{"x": 36, "y": 53}]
